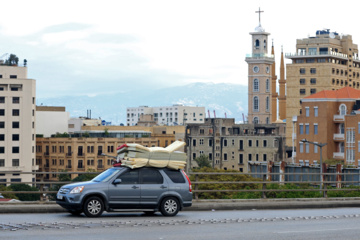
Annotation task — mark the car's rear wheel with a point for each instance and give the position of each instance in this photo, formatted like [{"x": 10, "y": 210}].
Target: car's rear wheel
[
  {"x": 170, "y": 206},
  {"x": 93, "y": 207}
]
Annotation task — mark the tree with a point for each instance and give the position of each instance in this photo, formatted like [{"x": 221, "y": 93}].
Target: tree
[
  {"x": 12, "y": 60},
  {"x": 7, "y": 195},
  {"x": 203, "y": 161},
  {"x": 25, "y": 196},
  {"x": 106, "y": 132}
]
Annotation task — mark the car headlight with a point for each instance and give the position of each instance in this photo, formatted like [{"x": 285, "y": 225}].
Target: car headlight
[{"x": 77, "y": 189}]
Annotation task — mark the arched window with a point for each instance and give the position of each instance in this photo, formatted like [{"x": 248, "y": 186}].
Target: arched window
[
  {"x": 264, "y": 44},
  {"x": 256, "y": 120},
  {"x": 267, "y": 85},
  {"x": 267, "y": 120},
  {"x": 267, "y": 104},
  {"x": 256, "y": 104},
  {"x": 256, "y": 85},
  {"x": 257, "y": 43},
  {"x": 342, "y": 109}
]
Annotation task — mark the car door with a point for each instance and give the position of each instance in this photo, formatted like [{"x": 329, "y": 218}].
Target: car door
[
  {"x": 153, "y": 186},
  {"x": 125, "y": 193}
]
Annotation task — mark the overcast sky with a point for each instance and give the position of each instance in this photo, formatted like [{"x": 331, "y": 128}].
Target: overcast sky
[{"x": 95, "y": 47}]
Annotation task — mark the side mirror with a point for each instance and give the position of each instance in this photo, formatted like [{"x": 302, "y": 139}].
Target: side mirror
[{"x": 117, "y": 181}]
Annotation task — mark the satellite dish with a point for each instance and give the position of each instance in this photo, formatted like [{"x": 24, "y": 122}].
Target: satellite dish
[{"x": 332, "y": 35}]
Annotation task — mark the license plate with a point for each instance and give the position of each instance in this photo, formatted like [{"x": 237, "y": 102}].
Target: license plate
[{"x": 60, "y": 197}]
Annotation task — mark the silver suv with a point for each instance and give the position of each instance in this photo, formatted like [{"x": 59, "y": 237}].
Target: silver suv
[{"x": 147, "y": 189}]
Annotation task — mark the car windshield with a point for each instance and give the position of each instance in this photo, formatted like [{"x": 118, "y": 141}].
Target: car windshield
[{"x": 106, "y": 175}]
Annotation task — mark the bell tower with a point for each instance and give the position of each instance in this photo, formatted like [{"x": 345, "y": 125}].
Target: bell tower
[{"x": 260, "y": 77}]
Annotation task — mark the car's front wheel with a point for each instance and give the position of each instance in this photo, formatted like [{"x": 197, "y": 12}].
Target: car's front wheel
[
  {"x": 170, "y": 206},
  {"x": 93, "y": 207}
]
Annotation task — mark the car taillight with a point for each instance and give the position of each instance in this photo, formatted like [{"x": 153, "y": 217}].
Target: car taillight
[{"x": 190, "y": 187}]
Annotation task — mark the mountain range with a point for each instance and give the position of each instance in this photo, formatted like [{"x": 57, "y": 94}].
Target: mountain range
[{"x": 222, "y": 98}]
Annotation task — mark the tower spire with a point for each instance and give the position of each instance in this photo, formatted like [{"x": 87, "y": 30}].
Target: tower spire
[{"x": 282, "y": 83}]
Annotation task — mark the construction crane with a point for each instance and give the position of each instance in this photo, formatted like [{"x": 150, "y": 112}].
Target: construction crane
[{"x": 214, "y": 114}]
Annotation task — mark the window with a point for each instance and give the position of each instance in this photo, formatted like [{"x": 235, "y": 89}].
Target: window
[
  {"x": 249, "y": 157},
  {"x": 301, "y": 128},
  {"x": 15, "y": 124},
  {"x": 302, "y": 91},
  {"x": 194, "y": 156},
  {"x": 130, "y": 177},
  {"x": 225, "y": 157},
  {"x": 267, "y": 104},
  {"x": 299, "y": 61},
  {"x": 313, "y": 81},
  {"x": 2, "y": 137},
  {"x": 175, "y": 176},
  {"x": 310, "y": 60},
  {"x": 321, "y": 60},
  {"x": 256, "y": 104},
  {"x": 250, "y": 143},
  {"x": 194, "y": 142},
  {"x": 302, "y": 71},
  {"x": 256, "y": 85},
  {"x": 210, "y": 142},
  {"x": 313, "y": 90},
  {"x": 267, "y": 85},
  {"x": 16, "y": 112},
  {"x": 2, "y": 124},
  {"x": 315, "y": 128},
  {"x": 2, "y": 162},
  {"x": 225, "y": 143},
  {"x": 312, "y": 51},
  {"x": 241, "y": 158},
  {"x": 307, "y": 128},
  {"x": 316, "y": 112},
  {"x": 302, "y": 81},
  {"x": 2, "y": 112},
  {"x": 301, "y": 146},
  {"x": 150, "y": 176},
  {"x": 315, "y": 149},
  {"x": 307, "y": 147},
  {"x": 241, "y": 143},
  {"x": 210, "y": 156},
  {"x": 15, "y": 163},
  {"x": 256, "y": 120},
  {"x": 264, "y": 143},
  {"x": 13, "y": 76},
  {"x": 264, "y": 157},
  {"x": 16, "y": 100},
  {"x": 201, "y": 141},
  {"x": 15, "y": 137},
  {"x": 2, "y": 99},
  {"x": 312, "y": 70},
  {"x": 257, "y": 143},
  {"x": 342, "y": 109},
  {"x": 307, "y": 111},
  {"x": 15, "y": 149}
]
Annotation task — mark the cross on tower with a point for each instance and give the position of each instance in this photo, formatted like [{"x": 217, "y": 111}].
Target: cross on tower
[{"x": 259, "y": 15}]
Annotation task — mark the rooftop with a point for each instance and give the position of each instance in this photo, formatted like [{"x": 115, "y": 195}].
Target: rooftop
[{"x": 343, "y": 93}]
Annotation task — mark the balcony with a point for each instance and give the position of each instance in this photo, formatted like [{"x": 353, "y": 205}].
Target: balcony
[
  {"x": 316, "y": 55},
  {"x": 46, "y": 153},
  {"x": 100, "y": 166},
  {"x": 339, "y": 118},
  {"x": 339, "y": 137},
  {"x": 339, "y": 155},
  {"x": 68, "y": 154},
  {"x": 80, "y": 154},
  {"x": 259, "y": 56},
  {"x": 68, "y": 166}
]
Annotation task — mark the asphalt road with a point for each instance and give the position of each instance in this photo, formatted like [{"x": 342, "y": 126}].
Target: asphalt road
[{"x": 339, "y": 223}]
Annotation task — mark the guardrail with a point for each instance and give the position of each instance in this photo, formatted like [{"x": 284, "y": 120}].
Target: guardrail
[{"x": 261, "y": 181}]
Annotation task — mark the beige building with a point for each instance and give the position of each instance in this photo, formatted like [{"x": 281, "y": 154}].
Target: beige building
[
  {"x": 327, "y": 61},
  {"x": 17, "y": 124},
  {"x": 330, "y": 117},
  {"x": 51, "y": 120},
  {"x": 233, "y": 146},
  {"x": 168, "y": 115}
]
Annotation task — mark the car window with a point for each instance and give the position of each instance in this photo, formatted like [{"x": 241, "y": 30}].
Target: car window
[
  {"x": 175, "y": 175},
  {"x": 150, "y": 176},
  {"x": 106, "y": 175},
  {"x": 130, "y": 177}
]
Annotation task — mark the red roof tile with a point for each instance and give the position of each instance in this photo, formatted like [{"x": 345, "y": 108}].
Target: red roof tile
[{"x": 346, "y": 92}]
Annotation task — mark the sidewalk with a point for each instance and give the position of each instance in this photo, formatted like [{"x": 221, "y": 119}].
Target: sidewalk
[{"x": 205, "y": 205}]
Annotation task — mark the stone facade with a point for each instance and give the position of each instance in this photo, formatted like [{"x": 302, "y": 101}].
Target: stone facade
[{"x": 233, "y": 146}]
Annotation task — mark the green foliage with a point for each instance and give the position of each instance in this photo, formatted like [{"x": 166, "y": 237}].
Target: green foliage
[
  {"x": 221, "y": 186},
  {"x": 86, "y": 176},
  {"x": 25, "y": 196},
  {"x": 106, "y": 132},
  {"x": 7, "y": 195},
  {"x": 65, "y": 134},
  {"x": 86, "y": 134},
  {"x": 203, "y": 161},
  {"x": 12, "y": 60}
]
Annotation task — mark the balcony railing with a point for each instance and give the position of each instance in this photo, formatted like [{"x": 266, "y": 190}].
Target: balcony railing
[
  {"x": 338, "y": 155},
  {"x": 260, "y": 56},
  {"x": 68, "y": 154},
  {"x": 100, "y": 166},
  {"x": 316, "y": 54},
  {"x": 339, "y": 118},
  {"x": 68, "y": 166},
  {"x": 339, "y": 136}
]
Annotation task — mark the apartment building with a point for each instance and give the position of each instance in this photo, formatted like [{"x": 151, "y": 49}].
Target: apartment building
[
  {"x": 81, "y": 154},
  {"x": 327, "y": 61},
  {"x": 233, "y": 146},
  {"x": 17, "y": 124},
  {"x": 169, "y": 115},
  {"x": 330, "y": 117}
]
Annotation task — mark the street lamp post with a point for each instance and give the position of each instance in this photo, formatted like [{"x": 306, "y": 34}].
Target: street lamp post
[{"x": 321, "y": 168}]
